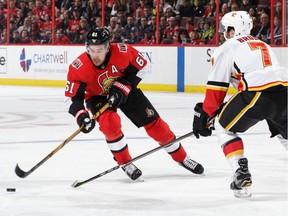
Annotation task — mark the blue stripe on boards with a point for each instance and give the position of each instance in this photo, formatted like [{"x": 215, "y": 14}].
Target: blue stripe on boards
[{"x": 180, "y": 69}]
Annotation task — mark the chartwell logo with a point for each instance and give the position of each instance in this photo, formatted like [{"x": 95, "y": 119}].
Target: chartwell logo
[{"x": 25, "y": 63}]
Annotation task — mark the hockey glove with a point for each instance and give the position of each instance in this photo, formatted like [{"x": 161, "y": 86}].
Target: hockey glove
[
  {"x": 119, "y": 91},
  {"x": 83, "y": 118},
  {"x": 202, "y": 123}
]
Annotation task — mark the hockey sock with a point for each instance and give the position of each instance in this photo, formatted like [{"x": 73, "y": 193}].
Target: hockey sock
[
  {"x": 233, "y": 151},
  {"x": 160, "y": 132},
  {"x": 110, "y": 125},
  {"x": 120, "y": 150}
]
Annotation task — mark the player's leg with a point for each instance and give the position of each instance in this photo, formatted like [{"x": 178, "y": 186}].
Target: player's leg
[
  {"x": 110, "y": 125},
  {"x": 142, "y": 113}
]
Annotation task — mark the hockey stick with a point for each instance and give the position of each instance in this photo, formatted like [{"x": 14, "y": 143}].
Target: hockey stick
[
  {"x": 79, "y": 183},
  {"x": 22, "y": 174}
]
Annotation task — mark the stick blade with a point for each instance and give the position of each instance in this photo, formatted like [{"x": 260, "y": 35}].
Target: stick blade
[
  {"x": 20, "y": 173},
  {"x": 76, "y": 184}
]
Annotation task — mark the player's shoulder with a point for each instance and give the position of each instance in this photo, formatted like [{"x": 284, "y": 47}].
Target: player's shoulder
[{"x": 80, "y": 62}]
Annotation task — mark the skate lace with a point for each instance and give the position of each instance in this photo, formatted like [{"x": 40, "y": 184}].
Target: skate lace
[
  {"x": 130, "y": 168},
  {"x": 188, "y": 162}
]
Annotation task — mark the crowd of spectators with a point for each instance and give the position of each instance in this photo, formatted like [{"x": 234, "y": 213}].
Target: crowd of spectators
[{"x": 130, "y": 21}]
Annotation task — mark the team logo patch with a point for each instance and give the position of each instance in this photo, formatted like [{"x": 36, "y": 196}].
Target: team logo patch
[
  {"x": 77, "y": 63},
  {"x": 149, "y": 112}
]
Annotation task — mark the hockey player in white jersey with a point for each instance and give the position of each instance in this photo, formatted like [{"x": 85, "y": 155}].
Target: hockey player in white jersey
[{"x": 251, "y": 67}]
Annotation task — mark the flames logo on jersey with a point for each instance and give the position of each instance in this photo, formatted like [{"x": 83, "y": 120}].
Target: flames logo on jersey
[{"x": 106, "y": 82}]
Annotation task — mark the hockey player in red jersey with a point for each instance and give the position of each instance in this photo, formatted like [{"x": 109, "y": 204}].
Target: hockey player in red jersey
[
  {"x": 114, "y": 70},
  {"x": 251, "y": 67}
]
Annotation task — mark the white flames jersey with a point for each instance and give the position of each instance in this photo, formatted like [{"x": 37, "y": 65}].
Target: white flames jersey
[{"x": 248, "y": 64}]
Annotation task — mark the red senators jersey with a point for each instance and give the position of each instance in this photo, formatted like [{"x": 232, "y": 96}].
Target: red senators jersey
[
  {"x": 248, "y": 64},
  {"x": 87, "y": 79}
]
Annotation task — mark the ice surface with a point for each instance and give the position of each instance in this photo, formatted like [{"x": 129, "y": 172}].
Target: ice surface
[{"x": 34, "y": 121}]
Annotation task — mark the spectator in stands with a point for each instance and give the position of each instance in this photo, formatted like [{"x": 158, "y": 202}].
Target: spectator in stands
[
  {"x": 134, "y": 37},
  {"x": 147, "y": 12},
  {"x": 277, "y": 31},
  {"x": 92, "y": 12},
  {"x": 3, "y": 20},
  {"x": 35, "y": 33},
  {"x": 13, "y": 9},
  {"x": 31, "y": 5},
  {"x": 121, "y": 18},
  {"x": 200, "y": 26},
  {"x": 235, "y": 6},
  {"x": 58, "y": 17},
  {"x": 130, "y": 24},
  {"x": 64, "y": 21},
  {"x": 12, "y": 27},
  {"x": 78, "y": 5},
  {"x": 221, "y": 38},
  {"x": 169, "y": 12},
  {"x": 25, "y": 39},
  {"x": 82, "y": 30},
  {"x": 149, "y": 37},
  {"x": 117, "y": 35},
  {"x": 47, "y": 24},
  {"x": 24, "y": 7},
  {"x": 189, "y": 25},
  {"x": 278, "y": 9},
  {"x": 66, "y": 4},
  {"x": 183, "y": 37},
  {"x": 46, "y": 37},
  {"x": 138, "y": 15},
  {"x": 252, "y": 12},
  {"x": 15, "y": 39},
  {"x": 185, "y": 8},
  {"x": 265, "y": 27},
  {"x": 19, "y": 19},
  {"x": 144, "y": 25},
  {"x": 256, "y": 27},
  {"x": 245, "y": 5},
  {"x": 40, "y": 9},
  {"x": 60, "y": 38},
  {"x": 208, "y": 31},
  {"x": 73, "y": 25},
  {"x": 198, "y": 8},
  {"x": 224, "y": 10},
  {"x": 112, "y": 24},
  {"x": 26, "y": 25},
  {"x": 195, "y": 38},
  {"x": 210, "y": 9},
  {"x": 171, "y": 32},
  {"x": 121, "y": 5},
  {"x": 98, "y": 21}
]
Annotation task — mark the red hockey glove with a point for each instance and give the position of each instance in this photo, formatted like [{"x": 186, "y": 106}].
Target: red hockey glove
[
  {"x": 83, "y": 118},
  {"x": 119, "y": 92},
  {"x": 202, "y": 123}
]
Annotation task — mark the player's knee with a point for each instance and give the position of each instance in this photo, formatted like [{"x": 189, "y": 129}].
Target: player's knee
[{"x": 110, "y": 125}]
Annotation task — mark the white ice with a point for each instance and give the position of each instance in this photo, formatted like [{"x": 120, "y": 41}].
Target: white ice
[{"x": 34, "y": 121}]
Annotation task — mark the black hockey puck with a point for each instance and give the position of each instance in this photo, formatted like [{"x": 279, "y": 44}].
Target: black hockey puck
[{"x": 11, "y": 189}]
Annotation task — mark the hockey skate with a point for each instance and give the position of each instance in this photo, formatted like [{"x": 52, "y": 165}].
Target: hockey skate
[
  {"x": 242, "y": 180},
  {"x": 132, "y": 171},
  {"x": 192, "y": 165}
]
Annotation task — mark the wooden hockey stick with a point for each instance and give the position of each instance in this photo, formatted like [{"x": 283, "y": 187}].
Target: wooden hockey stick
[
  {"x": 22, "y": 174},
  {"x": 79, "y": 183}
]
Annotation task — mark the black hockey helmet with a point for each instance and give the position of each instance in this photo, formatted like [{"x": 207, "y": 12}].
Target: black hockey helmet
[{"x": 98, "y": 36}]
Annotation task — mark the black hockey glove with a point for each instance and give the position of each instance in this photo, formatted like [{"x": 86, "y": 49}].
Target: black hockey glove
[
  {"x": 202, "y": 123},
  {"x": 119, "y": 91},
  {"x": 83, "y": 118}
]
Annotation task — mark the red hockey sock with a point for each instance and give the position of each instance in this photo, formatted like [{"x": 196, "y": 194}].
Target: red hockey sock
[{"x": 160, "y": 132}]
